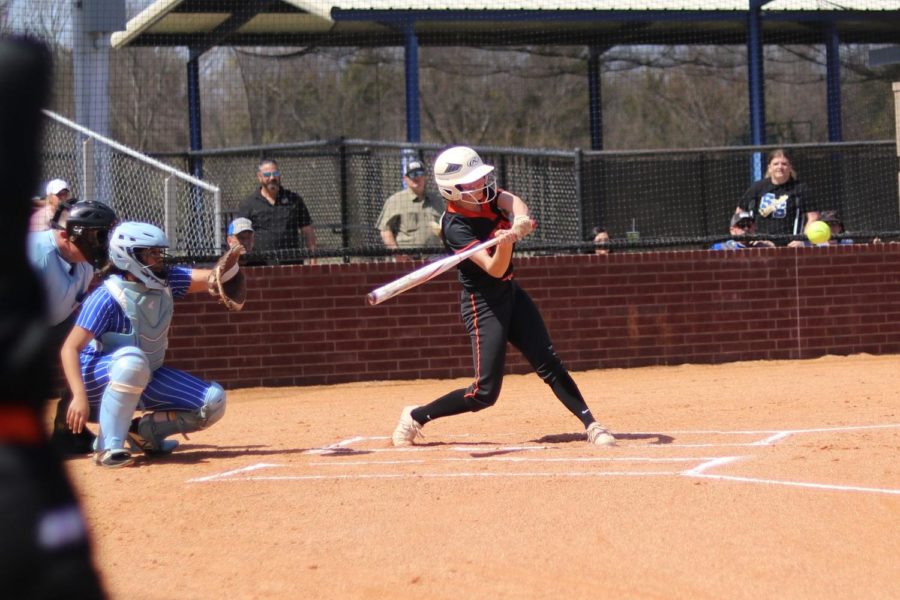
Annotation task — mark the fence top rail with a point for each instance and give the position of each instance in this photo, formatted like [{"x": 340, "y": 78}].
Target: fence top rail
[
  {"x": 318, "y": 144},
  {"x": 133, "y": 153},
  {"x": 729, "y": 149},
  {"x": 259, "y": 149}
]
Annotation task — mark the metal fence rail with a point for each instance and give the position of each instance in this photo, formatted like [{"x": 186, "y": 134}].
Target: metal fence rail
[{"x": 135, "y": 185}]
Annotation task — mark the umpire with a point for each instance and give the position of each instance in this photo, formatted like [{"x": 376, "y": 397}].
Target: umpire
[{"x": 65, "y": 257}]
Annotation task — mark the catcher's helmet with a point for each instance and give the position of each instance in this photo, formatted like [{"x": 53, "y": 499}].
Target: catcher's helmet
[
  {"x": 461, "y": 164},
  {"x": 131, "y": 236},
  {"x": 88, "y": 223}
]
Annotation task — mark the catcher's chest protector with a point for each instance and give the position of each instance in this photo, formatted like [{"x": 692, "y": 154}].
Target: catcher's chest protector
[{"x": 150, "y": 313}]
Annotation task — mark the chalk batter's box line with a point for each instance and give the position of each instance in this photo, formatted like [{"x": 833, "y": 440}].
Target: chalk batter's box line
[
  {"x": 699, "y": 471},
  {"x": 772, "y": 436}
]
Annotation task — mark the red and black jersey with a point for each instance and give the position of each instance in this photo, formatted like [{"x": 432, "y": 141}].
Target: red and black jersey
[{"x": 463, "y": 228}]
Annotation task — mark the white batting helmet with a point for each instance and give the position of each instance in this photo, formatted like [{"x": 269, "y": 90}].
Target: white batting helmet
[
  {"x": 131, "y": 236},
  {"x": 459, "y": 165}
]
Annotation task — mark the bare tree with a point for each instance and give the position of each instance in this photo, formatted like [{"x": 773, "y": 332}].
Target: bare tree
[{"x": 148, "y": 98}]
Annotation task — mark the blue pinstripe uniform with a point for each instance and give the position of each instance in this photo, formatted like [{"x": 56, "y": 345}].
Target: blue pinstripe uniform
[{"x": 169, "y": 389}]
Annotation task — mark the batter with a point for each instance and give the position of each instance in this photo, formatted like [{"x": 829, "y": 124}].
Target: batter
[{"x": 494, "y": 308}]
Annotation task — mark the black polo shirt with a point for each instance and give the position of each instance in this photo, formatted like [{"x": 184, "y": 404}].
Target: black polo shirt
[{"x": 276, "y": 227}]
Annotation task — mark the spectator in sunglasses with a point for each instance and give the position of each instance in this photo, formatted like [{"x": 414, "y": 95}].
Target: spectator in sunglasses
[
  {"x": 742, "y": 224},
  {"x": 279, "y": 216}
]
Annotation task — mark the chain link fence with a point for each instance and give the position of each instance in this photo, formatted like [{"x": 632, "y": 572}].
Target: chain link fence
[
  {"x": 136, "y": 186},
  {"x": 647, "y": 199}
]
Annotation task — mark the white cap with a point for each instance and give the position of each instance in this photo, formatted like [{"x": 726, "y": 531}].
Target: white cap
[
  {"x": 56, "y": 186},
  {"x": 240, "y": 225}
]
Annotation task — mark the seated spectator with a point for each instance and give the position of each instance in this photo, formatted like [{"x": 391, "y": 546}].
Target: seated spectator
[
  {"x": 240, "y": 231},
  {"x": 601, "y": 240},
  {"x": 742, "y": 223},
  {"x": 833, "y": 218}
]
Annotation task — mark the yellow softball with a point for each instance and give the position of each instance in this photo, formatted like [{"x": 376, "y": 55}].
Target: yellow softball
[{"x": 818, "y": 232}]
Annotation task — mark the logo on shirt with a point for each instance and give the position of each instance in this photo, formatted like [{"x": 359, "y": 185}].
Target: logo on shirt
[{"x": 773, "y": 206}]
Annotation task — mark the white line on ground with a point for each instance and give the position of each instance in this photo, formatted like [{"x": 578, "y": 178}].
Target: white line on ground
[
  {"x": 483, "y": 475},
  {"x": 803, "y": 484},
  {"x": 515, "y": 459},
  {"x": 228, "y": 474},
  {"x": 700, "y": 471}
]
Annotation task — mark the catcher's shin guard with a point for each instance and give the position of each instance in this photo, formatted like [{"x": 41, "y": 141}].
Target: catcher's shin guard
[
  {"x": 161, "y": 424},
  {"x": 129, "y": 374}
]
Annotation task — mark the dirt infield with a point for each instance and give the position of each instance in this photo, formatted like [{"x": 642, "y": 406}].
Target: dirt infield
[{"x": 745, "y": 480}]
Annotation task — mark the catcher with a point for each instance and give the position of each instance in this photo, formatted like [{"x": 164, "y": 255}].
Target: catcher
[{"x": 113, "y": 358}]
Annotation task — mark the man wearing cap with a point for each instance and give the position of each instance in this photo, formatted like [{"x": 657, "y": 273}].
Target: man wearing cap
[
  {"x": 57, "y": 191},
  {"x": 742, "y": 223},
  {"x": 240, "y": 231},
  {"x": 411, "y": 217}
]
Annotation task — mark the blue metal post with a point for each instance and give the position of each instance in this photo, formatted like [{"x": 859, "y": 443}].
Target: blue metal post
[
  {"x": 411, "y": 47},
  {"x": 833, "y": 84},
  {"x": 756, "y": 85},
  {"x": 194, "y": 117},
  {"x": 594, "y": 105}
]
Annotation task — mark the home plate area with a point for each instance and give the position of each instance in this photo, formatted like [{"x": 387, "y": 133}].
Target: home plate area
[{"x": 800, "y": 458}]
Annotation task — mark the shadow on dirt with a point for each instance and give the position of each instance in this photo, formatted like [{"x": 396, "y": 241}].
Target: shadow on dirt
[
  {"x": 197, "y": 453},
  {"x": 565, "y": 438}
]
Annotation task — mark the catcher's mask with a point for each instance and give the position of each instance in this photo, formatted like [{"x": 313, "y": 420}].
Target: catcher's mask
[
  {"x": 87, "y": 224},
  {"x": 126, "y": 242},
  {"x": 461, "y": 165}
]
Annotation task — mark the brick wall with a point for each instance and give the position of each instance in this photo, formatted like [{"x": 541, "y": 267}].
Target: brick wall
[{"x": 311, "y": 325}]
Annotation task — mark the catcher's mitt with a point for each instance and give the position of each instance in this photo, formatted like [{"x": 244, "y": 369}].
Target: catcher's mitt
[{"x": 227, "y": 282}]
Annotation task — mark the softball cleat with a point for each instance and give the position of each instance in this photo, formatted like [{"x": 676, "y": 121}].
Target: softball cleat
[{"x": 599, "y": 435}]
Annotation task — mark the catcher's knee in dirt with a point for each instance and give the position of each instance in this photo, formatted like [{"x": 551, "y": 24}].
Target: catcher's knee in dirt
[
  {"x": 162, "y": 424},
  {"x": 213, "y": 407}
]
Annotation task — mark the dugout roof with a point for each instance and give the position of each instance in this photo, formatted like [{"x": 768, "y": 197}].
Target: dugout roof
[
  {"x": 601, "y": 24},
  {"x": 203, "y": 24}
]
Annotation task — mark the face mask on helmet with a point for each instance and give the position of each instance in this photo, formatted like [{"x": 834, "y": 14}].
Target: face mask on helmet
[
  {"x": 87, "y": 224},
  {"x": 93, "y": 245},
  {"x": 128, "y": 250},
  {"x": 459, "y": 166}
]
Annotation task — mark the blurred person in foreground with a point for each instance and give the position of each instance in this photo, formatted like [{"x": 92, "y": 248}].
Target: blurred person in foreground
[
  {"x": 279, "y": 216},
  {"x": 44, "y": 549},
  {"x": 742, "y": 224},
  {"x": 780, "y": 203}
]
